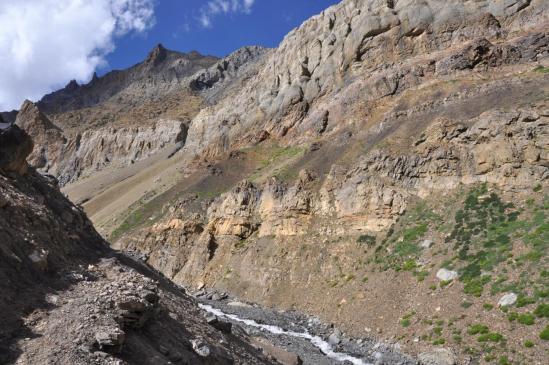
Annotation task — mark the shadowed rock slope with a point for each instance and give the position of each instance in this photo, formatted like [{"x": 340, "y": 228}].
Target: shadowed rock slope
[{"x": 68, "y": 299}]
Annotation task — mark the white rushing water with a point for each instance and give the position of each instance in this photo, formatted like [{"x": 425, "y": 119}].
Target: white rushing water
[{"x": 324, "y": 346}]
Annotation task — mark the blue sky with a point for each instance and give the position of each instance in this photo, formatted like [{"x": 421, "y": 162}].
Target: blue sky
[
  {"x": 46, "y": 43},
  {"x": 178, "y": 26}
]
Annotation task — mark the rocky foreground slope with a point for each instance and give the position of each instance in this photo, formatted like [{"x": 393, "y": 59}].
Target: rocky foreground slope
[{"x": 68, "y": 299}]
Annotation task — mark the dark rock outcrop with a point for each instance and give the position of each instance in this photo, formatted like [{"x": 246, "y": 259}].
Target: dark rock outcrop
[{"x": 15, "y": 146}]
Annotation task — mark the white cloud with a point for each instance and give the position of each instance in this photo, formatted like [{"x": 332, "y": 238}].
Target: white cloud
[
  {"x": 214, "y": 8},
  {"x": 46, "y": 43}
]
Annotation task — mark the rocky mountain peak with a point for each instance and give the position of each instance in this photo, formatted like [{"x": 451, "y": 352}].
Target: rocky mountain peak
[
  {"x": 156, "y": 55},
  {"x": 31, "y": 118},
  {"x": 72, "y": 85}
]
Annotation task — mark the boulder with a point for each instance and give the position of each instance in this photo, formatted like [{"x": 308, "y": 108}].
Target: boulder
[
  {"x": 334, "y": 339},
  {"x": 110, "y": 337},
  {"x": 15, "y": 146},
  {"x": 200, "y": 347},
  {"x": 507, "y": 299},
  {"x": 282, "y": 356},
  {"x": 446, "y": 275},
  {"x": 437, "y": 357},
  {"x": 39, "y": 259}
]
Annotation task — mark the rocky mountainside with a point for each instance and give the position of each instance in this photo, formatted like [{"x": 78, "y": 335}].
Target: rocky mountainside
[
  {"x": 159, "y": 74},
  {"x": 363, "y": 165},
  {"x": 68, "y": 299},
  {"x": 389, "y": 159},
  {"x": 127, "y": 115}
]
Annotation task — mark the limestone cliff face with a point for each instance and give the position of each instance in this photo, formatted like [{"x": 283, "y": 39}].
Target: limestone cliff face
[
  {"x": 367, "y": 49},
  {"x": 506, "y": 149},
  {"x": 68, "y": 156}
]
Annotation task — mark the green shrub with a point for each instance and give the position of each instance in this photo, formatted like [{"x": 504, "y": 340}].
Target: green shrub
[
  {"x": 405, "y": 322},
  {"x": 526, "y": 318},
  {"x": 488, "y": 306},
  {"x": 544, "y": 335},
  {"x": 492, "y": 337},
  {"x": 439, "y": 341},
  {"x": 475, "y": 286},
  {"x": 421, "y": 275},
  {"x": 528, "y": 343},
  {"x": 504, "y": 361},
  {"x": 477, "y": 328},
  {"x": 466, "y": 304},
  {"x": 541, "y": 69},
  {"x": 366, "y": 239},
  {"x": 409, "y": 265},
  {"x": 512, "y": 316},
  {"x": 523, "y": 301},
  {"x": 542, "y": 310}
]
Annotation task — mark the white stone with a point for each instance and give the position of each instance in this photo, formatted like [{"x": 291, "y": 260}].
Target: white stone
[
  {"x": 426, "y": 243},
  {"x": 440, "y": 356},
  {"x": 446, "y": 275},
  {"x": 507, "y": 299}
]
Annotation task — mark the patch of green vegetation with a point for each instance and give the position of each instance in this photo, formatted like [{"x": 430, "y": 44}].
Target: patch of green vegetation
[
  {"x": 366, "y": 239},
  {"x": 475, "y": 286},
  {"x": 504, "y": 361},
  {"x": 544, "y": 334},
  {"x": 489, "y": 357},
  {"x": 444, "y": 283},
  {"x": 542, "y": 310},
  {"x": 537, "y": 188},
  {"x": 511, "y": 317},
  {"x": 526, "y": 319},
  {"x": 523, "y": 301},
  {"x": 365, "y": 279},
  {"x": 409, "y": 265},
  {"x": 491, "y": 337},
  {"x": 403, "y": 238},
  {"x": 348, "y": 277},
  {"x": 488, "y": 306},
  {"x": 420, "y": 274},
  {"x": 240, "y": 245},
  {"x": 273, "y": 155},
  {"x": 483, "y": 235},
  {"x": 437, "y": 330},
  {"x": 132, "y": 220},
  {"x": 405, "y": 322},
  {"x": 475, "y": 329},
  {"x": 433, "y": 286},
  {"x": 207, "y": 195},
  {"x": 529, "y": 344},
  {"x": 439, "y": 341},
  {"x": 541, "y": 69},
  {"x": 466, "y": 304}
]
